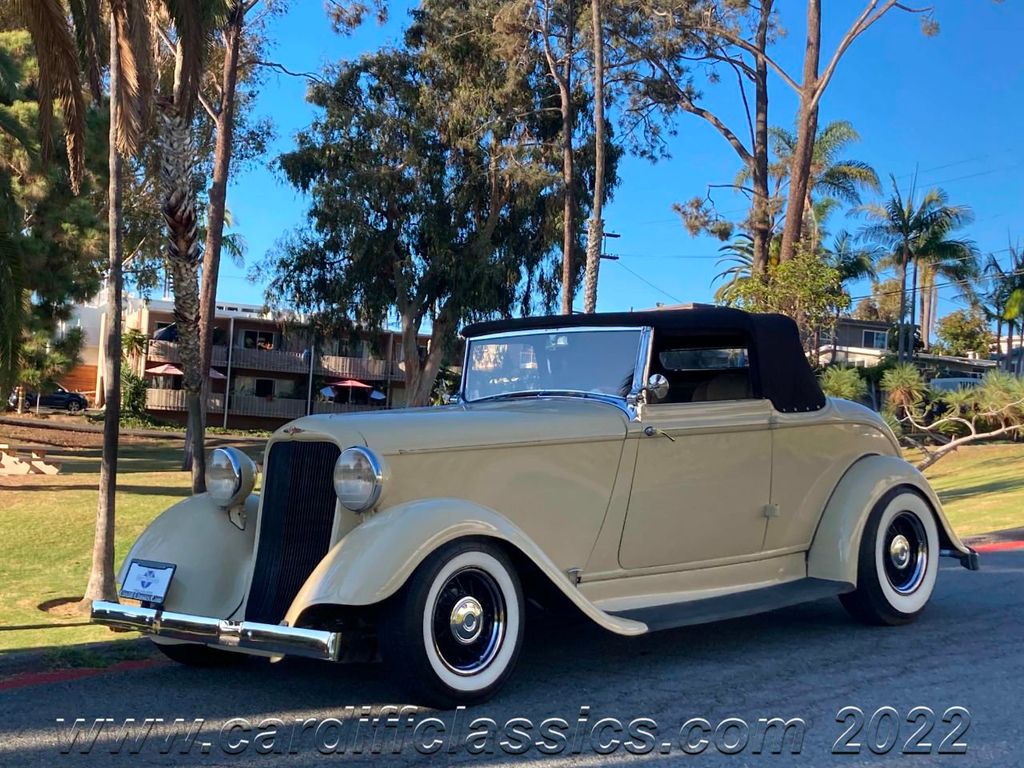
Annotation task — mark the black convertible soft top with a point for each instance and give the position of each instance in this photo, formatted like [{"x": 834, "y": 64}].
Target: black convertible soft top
[{"x": 779, "y": 369}]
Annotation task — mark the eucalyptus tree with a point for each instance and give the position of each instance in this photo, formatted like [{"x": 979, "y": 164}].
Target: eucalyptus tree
[{"x": 415, "y": 210}]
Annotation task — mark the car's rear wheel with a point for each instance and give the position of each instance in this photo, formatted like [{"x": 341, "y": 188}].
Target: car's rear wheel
[
  {"x": 74, "y": 406},
  {"x": 198, "y": 655},
  {"x": 454, "y": 631},
  {"x": 898, "y": 561}
]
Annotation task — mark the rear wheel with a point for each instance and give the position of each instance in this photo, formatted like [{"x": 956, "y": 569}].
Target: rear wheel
[
  {"x": 898, "y": 561},
  {"x": 197, "y": 655},
  {"x": 454, "y": 632}
]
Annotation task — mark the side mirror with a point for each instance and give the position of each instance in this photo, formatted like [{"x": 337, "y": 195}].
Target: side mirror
[{"x": 657, "y": 387}]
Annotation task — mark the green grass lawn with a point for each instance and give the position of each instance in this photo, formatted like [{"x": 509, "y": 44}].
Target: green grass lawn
[
  {"x": 46, "y": 523},
  {"x": 982, "y": 487}
]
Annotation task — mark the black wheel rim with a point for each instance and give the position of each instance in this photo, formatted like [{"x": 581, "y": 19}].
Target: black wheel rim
[
  {"x": 905, "y": 553},
  {"x": 468, "y": 621}
]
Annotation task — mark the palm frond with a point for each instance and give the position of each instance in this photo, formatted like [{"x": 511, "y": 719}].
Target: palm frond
[
  {"x": 194, "y": 22},
  {"x": 134, "y": 91},
  {"x": 88, "y": 26},
  {"x": 57, "y": 56}
]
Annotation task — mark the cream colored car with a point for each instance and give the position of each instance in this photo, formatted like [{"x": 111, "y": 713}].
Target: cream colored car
[{"x": 648, "y": 470}]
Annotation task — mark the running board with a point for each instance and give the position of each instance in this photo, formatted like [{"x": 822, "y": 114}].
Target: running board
[{"x": 733, "y": 605}]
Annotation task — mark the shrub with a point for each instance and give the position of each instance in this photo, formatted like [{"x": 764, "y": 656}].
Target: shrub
[
  {"x": 133, "y": 395},
  {"x": 845, "y": 383}
]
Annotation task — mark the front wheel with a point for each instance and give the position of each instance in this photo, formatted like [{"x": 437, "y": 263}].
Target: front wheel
[
  {"x": 74, "y": 406},
  {"x": 454, "y": 632},
  {"x": 197, "y": 655},
  {"x": 898, "y": 561}
]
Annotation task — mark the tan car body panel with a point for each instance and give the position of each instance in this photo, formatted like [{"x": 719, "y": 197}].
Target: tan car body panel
[
  {"x": 834, "y": 551},
  {"x": 553, "y": 477},
  {"x": 373, "y": 561},
  {"x": 211, "y": 553}
]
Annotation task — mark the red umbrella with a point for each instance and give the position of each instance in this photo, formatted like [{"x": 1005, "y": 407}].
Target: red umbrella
[
  {"x": 349, "y": 383},
  {"x": 165, "y": 370}
]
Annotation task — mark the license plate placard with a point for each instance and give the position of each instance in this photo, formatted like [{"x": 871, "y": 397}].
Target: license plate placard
[{"x": 147, "y": 580}]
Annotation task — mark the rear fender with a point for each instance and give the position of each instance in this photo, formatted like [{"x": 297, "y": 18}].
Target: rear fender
[
  {"x": 836, "y": 545},
  {"x": 375, "y": 558}
]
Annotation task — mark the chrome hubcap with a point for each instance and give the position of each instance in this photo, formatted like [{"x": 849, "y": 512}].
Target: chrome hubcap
[
  {"x": 467, "y": 620},
  {"x": 899, "y": 551},
  {"x": 906, "y": 549}
]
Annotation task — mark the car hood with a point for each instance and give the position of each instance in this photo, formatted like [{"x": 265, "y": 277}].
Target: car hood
[{"x": 476, "y": 425}]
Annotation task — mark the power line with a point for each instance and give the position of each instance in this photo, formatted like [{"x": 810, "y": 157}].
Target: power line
[{"x": 643, "y": 279}]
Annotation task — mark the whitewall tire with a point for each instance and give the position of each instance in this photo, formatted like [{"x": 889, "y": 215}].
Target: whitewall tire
[
  {"x": 454, "y": 632},
  {"x": 898, "y": 561}
]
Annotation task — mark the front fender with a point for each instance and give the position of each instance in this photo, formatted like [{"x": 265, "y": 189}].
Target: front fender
[
  {"x": 375, "y": 558},
  {"x": 836, "y": 545},
  {"x": 213, "y": 556}
]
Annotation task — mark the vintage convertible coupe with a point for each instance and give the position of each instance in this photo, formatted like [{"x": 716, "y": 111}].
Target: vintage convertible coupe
[{"x": 650, "y": 469}]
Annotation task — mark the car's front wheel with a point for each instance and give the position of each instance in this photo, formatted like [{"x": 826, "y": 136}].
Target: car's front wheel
[
  {"x": 198, "y": 655},
  {"x": 74, "y": 406},
  {"x": 898, "y": 561},
  {"x": 454, "y": 631}
]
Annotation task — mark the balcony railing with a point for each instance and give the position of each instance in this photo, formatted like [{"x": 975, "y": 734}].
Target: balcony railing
[
  {"x": 284, "y": 362},
  {"x": 167, "y": 352},
  {"x": 174, "y": 400},
  {"x": 342, "y": 408},
  {"x": 274, "y": 407}
]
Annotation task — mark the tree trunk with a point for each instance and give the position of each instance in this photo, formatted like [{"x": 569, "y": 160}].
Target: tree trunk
[
  {"x": 216, "y": 210},
  {"x": 595, "y": 228},
  {"x": 901, "y": 326},
  {"x": 760, "y": 223},
  {"x": 807, "y": 129},
  {"x": 179, "y": 213},
  {"x": 101, "y": 584},
  {"x": 568, "y": 171},
  {"x": 420, "y": 375},
  {"x": 911, "y": 335}
]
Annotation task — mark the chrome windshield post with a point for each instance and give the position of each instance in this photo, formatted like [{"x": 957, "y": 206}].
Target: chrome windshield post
[{"x": 635, "y": 399}]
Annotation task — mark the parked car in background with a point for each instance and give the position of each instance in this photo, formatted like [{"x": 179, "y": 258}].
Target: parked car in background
[
  {"x": 60, "y": 399},
  {"x": 953, "y": 383},
  {"x": 647, "y": 470}
]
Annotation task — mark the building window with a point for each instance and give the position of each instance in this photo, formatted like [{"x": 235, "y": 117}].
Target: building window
[
  {"x": 264, "y": 388},
  {"x": 259, "y": 339},
  {"x": 876, "y": 339}
]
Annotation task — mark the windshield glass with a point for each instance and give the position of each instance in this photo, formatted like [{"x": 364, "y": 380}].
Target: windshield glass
[{"x": 591, "y": 361}]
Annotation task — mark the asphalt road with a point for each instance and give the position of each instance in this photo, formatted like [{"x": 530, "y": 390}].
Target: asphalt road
[{"x": 806, "y": 662}]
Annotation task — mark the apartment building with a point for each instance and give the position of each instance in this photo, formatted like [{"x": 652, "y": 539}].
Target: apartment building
[{"x": 266, "y": 368}]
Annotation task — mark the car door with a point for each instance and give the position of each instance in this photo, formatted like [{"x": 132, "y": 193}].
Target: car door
[
  {"x": 56, "y": 399},
  {"x": 702, "y": 480}
]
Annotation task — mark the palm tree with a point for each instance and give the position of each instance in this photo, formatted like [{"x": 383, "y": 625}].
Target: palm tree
[
  {"x": 194, "y": 23},
  {"x": 738, "y": 260},
  {"x": 1004, "y": 298},
  {"x": 955, "y": 260},
  {"x": 833, "y": 178},
  {"x": 909, "y": 231}
]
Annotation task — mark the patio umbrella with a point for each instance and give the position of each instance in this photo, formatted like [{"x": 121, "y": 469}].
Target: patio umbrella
[
  {"x": 165, "y": 370},
  {"x": 215, "y": 374},
  {"x": 349, "y": 383}
]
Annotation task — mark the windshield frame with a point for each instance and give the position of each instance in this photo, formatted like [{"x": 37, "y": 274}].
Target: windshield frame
[{"x": 629, "y": 403}]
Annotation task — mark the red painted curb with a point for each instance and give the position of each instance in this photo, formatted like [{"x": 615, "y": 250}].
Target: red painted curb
[
  {"x": 27, "y": 679},
  {"x": 999, "y": 546}
]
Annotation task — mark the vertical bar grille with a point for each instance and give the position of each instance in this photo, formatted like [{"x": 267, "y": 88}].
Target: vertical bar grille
[{"x": 295, "y": 525}]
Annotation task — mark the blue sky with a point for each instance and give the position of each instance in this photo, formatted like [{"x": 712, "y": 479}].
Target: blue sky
[{"x": 949, "y": 107}]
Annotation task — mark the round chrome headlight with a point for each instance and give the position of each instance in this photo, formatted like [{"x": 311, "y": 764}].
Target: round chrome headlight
[
  {"x": 358, "y": 478},
  {"x": 230, "y": 476}
]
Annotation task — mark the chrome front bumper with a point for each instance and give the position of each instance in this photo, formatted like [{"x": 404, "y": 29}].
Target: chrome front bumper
[{"x": 238, "y": 635}]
